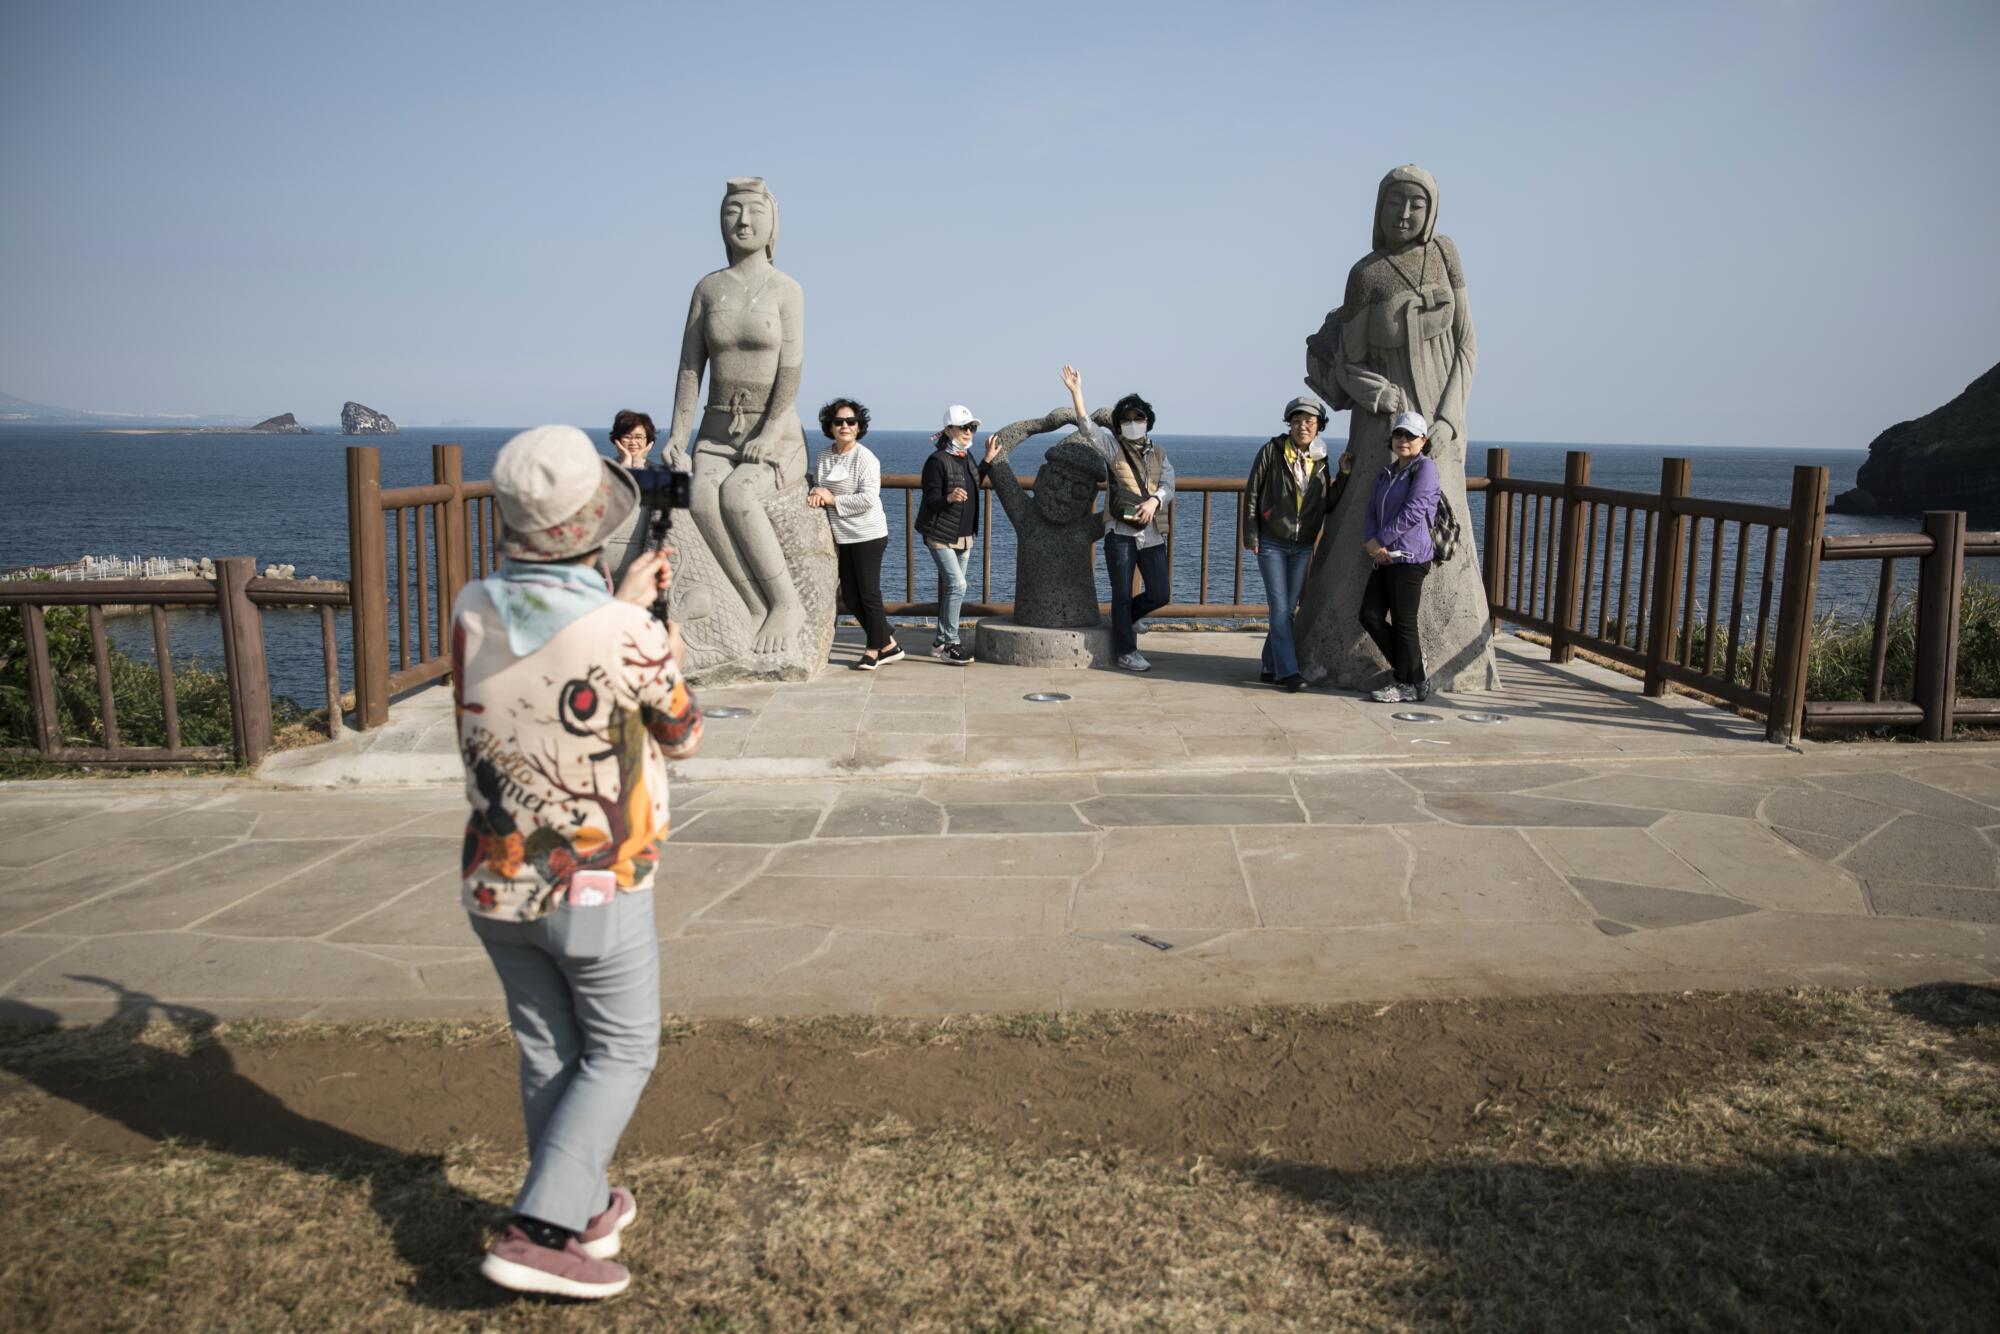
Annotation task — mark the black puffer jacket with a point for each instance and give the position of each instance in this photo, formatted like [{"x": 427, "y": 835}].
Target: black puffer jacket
[
  {"x": 1271, "y": 500},
  {"x": 939, "y": 519}
]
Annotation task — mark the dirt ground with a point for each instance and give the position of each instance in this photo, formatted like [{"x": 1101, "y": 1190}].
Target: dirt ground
[
  {"x": 1346, "y": 1088},
  {"x": 1806, "y": 1160}
]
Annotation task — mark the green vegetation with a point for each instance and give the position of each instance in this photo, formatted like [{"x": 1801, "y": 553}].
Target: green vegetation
[{"x": 201, "y": 694}]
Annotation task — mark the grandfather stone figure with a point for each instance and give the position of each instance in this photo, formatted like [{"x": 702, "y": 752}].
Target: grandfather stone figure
[
  {"x": 1401, "y": 341},
  {"x": 753, "y": 589},
  {"x": 1055, "y": 583}
]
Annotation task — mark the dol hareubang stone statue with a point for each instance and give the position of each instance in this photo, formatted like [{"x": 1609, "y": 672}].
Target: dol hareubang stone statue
[
  {"x": 1055, "y": 529},
  {"x": 1056, "y": 621},
  {"x": 753, "y": 588},
  {"x": 1401, "y": 341}
]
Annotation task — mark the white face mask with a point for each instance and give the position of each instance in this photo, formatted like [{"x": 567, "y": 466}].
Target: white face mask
[{"x": 1132, "y": 430}]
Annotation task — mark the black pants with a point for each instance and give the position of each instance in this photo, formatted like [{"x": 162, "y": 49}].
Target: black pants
[
  {"x": 1389, "y": 607},
  {"x": 861, "y": 587},
  {"x": 1121, "y": 555}
]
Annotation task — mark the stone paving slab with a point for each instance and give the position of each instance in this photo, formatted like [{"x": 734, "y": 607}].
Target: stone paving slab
[{"x": 924, "y": 840}]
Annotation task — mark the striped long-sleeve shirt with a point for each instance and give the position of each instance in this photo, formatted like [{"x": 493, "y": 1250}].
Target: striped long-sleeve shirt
[{"x": 855, "y": 478}]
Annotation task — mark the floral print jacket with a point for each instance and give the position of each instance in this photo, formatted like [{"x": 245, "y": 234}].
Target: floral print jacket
[{"x": 565, "y": 752}]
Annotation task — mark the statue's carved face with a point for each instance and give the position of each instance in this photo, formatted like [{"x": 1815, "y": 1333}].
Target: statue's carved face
[
  {"x": 1062, "y": 497},
  {"x": 746, "y": 222},
  {"x": 1405, "y": 210}
]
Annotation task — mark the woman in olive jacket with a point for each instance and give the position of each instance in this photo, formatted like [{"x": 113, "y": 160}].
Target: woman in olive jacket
[{"x": 1285, "y": 502}]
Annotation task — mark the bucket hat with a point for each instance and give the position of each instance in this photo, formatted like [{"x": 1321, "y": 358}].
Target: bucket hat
[{"x": 558, "y": 498}]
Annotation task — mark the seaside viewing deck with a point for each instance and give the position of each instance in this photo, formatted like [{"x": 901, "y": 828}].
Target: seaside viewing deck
[{"x": 926, "y": 840}]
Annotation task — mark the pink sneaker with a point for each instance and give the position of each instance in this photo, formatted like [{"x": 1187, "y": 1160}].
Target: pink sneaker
[
  {"x": 516, "y": 1263},
  {"x": 600, "y": 1239}
]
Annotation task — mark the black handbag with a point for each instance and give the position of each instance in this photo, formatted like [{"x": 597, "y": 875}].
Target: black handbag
[{"x": 1445, "y": 535}]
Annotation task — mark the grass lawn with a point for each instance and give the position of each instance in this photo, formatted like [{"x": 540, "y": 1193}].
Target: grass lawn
[{"x": 1808, "y": 1160}]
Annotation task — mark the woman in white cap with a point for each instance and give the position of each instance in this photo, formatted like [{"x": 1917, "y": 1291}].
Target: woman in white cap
[
  {"x": 948, "y": 519},
  {"x": 1285, "y": 503},
  {"x": 1397, "y": 532},
  {"x": 569, "y": 702}
]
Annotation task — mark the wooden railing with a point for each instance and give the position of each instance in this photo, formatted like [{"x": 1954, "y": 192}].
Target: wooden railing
[
  {"x": 237, "y": 594},
  {"x": 1618, "y": 573},
  {"x": 1941, "y": 550},
  {"x": 456, "y": 532}
]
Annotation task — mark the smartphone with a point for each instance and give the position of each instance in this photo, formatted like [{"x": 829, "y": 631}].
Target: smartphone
[{"x": 592, "y": 889}]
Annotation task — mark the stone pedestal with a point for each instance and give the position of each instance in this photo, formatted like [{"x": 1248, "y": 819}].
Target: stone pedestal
[{"x": 1004, "y": 642}]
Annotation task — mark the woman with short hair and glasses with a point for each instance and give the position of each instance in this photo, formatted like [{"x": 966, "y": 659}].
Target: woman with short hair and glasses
[
  {"x": 847, "y": 484},
  {"x": 632, "y": 435}
]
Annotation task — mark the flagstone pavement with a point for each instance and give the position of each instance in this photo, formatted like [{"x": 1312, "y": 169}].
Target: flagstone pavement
[{"x": 1622, "y": 846}]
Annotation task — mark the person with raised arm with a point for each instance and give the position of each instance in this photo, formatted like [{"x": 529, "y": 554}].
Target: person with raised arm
[{"x": 1138, "y": 521}]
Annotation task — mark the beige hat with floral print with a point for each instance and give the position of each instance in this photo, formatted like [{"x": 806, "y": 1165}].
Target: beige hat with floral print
[{"x": 558, "y": 498}]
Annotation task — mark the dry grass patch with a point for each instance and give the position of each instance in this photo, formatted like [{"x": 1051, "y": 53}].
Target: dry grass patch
[{"x": 1835, "y": 1169}]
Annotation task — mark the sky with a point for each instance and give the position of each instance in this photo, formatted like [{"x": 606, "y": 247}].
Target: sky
[{"x": 1769, "y": 222}]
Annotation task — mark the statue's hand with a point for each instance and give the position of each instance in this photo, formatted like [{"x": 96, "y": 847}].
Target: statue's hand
[
  {"x": 759, "y": 449},
  {"x": 674, "y": 454}
]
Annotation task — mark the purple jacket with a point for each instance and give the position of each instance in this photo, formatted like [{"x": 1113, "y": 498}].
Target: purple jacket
[{"x": 1400, "y": 510}]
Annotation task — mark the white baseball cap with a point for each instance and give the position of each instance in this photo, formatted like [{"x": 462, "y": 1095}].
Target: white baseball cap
[
  {"x": 960, "y": 415},
  {"x": 1413, "y": 422}
]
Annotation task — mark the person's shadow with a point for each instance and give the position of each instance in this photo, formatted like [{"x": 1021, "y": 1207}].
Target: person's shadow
[{"x": 200, "y": 1099}]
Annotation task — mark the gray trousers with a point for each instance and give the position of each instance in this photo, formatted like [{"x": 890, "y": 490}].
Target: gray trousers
[{"x": 586, "y": 1015}]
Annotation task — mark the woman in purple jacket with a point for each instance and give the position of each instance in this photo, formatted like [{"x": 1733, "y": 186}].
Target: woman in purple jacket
[{"x": 1398, "y": 531}]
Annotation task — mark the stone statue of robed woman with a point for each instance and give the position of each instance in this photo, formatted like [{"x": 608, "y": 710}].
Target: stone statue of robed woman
[{"x": 1401, "y": 341}]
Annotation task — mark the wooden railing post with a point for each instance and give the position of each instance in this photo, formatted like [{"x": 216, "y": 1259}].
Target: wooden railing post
[
  {"x": 1499, "y": 506},
  {"x": 41, "y": 681},
  {"x": 1670, "y": 555},
  {"x": 1940, "y": 589},
  {"x": 368, "y": 586},
  {"x": 1795, "y": 604},
  {"x": 243, "y": 658},
  {"x": 448, "y": 469},
  {"x": 1570, "y": 556}
]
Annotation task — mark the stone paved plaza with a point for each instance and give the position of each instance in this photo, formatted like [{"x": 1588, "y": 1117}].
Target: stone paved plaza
[{"x": 1177, "y": 840}]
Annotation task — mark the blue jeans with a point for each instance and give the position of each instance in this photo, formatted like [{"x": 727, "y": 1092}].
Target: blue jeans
[
  {"x": 952, "y": 567},
  {"x": 1283, "y": 565},
  {"x": 587, "y": 1020},
  {"x": 1121, "y": 555}
]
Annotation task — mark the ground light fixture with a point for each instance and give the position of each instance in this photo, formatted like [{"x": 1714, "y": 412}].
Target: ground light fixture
[
  {"x": 725, "y": 711},
  {"x": 1046, "y": 697},
  {"x": 1482, "y": 717},
  {"x": 1413, "y": 717}
]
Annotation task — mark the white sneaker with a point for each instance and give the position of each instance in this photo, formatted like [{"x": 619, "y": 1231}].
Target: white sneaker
[
  {"x": 1389, "y": 694},
  {"x": 1133, "y": 662}
]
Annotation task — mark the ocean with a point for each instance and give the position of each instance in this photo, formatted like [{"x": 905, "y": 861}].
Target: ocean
[{"x": 282, "y": 499}]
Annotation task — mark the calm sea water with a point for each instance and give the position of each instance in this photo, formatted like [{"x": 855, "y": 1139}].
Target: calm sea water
[{"x": 282, "y": 499}]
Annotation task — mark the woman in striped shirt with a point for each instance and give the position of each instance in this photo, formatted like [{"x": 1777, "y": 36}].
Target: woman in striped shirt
[{"x": 847, "y": 484}]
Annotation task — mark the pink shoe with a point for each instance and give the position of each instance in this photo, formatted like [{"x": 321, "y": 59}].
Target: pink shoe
[
  {"x": 516, "y": 1263},
  {"x": 600, "y": 1239}
]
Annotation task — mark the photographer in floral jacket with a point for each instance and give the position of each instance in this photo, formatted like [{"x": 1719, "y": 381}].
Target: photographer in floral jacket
[{"x": 569, "y": 702}]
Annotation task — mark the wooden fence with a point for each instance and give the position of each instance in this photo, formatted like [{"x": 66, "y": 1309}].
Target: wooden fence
[
  {"x": 237, "y": 594},
  {"x": 1709, "y": 595}
]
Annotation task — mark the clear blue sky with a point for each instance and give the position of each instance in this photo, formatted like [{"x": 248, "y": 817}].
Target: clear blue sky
[{"x": 1701, "y": 223}]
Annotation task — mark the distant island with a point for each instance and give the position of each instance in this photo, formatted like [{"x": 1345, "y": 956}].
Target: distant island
[
  {"x": 282, "y": 424},
  {"x": 358, "y": 420},
  {"x": 1948, "y": 459}
]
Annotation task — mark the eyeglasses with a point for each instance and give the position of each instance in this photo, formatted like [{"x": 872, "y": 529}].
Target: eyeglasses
[
  {"x": 635, "y": 438},
  {"x": 846, "y": 421}
]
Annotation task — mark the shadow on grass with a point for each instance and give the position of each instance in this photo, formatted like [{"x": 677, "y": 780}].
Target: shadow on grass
[
  {"x": 1819, "y": 1242},
  {"x": 1959, "y": 1007},
  {"x": 198, "y": 1099}
]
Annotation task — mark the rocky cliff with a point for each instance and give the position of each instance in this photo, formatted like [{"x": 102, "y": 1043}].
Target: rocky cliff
[
  {"x": 358, "y": 420},
  {"x": 1944, "y": 460},
  {"x": 282, "y": 424}
]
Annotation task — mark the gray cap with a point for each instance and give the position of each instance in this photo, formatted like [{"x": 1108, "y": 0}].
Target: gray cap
[{"x": 1306, "y": 403}]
